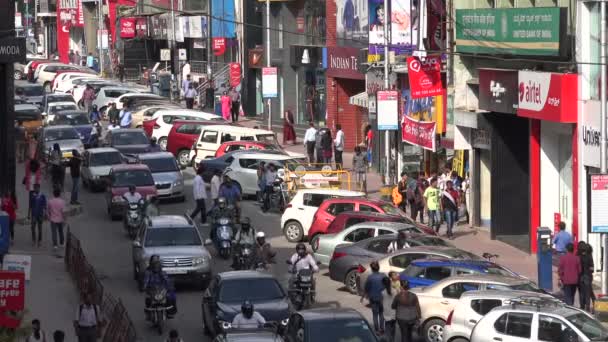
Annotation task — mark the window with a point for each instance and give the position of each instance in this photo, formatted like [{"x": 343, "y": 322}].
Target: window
[
  {"x": 247, "y": 138},
  {"x": 385, "y": 232},
  {"x": 337, "y": 208},
  {"x": 550, "y": 328},
  {"x": 379, "y": 246},
  {"x": 209, "y": 137},
  {"x": 189, "y": 129},
  {"x": 158, "y": 165},
  {"x": 352, "y": 221},
  {"x": 115, "y": 93},
  {"x": 402, "y": 261},
  {"x": 255, "y": 290},
  {"x": 455, "y": 290},
  {"x": 437, "y": 273},
  {"x": 183, "y": 236},
  {"x": 500, "y": 324},
  {"x": 227, "y": 137},
  {"x": 235, "y": 147},
  {"x": 517, "y": 324},
  {"x": 314, "y": 200},
  {"x": 464, "y": 271},
  {"x": 367, "y": 208},
  {"x": 168, "y": 119},
  {"x": 248, "y": 163},
  {"x": 359, "y": 234},
  {"x": 483, "y": 306}
]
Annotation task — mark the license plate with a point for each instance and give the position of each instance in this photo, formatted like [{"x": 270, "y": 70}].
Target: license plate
[
  {"x": 601, "y": 306},
  {"x": 67, "y": 155},
  {"x": 174, "y": 271}
]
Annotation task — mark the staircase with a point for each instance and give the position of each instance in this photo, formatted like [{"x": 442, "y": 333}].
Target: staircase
[{"x": 220, "y": 74}]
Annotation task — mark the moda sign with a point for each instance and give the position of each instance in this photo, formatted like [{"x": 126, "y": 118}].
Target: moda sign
[{"x": 547, "y": 96}]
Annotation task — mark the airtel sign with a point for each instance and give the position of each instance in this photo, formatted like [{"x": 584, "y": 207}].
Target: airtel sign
[{"x": 548, "y": 96}]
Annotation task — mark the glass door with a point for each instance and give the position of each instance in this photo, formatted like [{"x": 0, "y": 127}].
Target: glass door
[{"x": 565, "y": 179}]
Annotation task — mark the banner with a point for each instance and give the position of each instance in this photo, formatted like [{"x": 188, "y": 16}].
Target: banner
[
  {"x": 351, "y": 20},
  {"x": 64, "y": 23},
  {"x": 431, "y": 109},
  {"x": 458, "y": 162},
  {"x": 219, "y": 46},
  {"x": 425, "y": 76},
  {"x": 419, "y": 133},
  {"x": 404, "y": 19},
  {"x": 141, "y": 27},
  {"x": 79, "y": 15},
  {"x": 235, "y": 74},
  {"x": 269, "y": 82},
  {"x": 127, "y": 28}
]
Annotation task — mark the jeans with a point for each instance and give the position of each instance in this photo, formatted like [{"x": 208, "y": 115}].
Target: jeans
[
  {"x": 569, "y": 292},
  {"x": 37, "y": 222},
  {"x": 377, "y": 314},
  {"x": 200, "y": 208},
  {"x": 57, "y": 176},
  {"x": 235, "y": 111},
  {"x": 434, "y": 219},
  {"x": 585, "y": 290},
  {"x": 87, "y": 334},
  {"x": 266, "y": 194},
  {"x": 451, "y": 216},
  {"x": 416, "y": 210},
  {"x": 75, "y": 187},
  {"x": 310, "y": 151},
  {"x": 406, "y": 328},
  {"x": 389, "y": 330},
  {"x": 57, "y": 228},
  {"x": 338, "y": 158},
  {"x": 189, "y": 102}
]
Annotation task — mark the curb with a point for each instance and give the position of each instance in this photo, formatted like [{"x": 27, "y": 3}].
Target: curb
[{"x": 73, "y": 210}]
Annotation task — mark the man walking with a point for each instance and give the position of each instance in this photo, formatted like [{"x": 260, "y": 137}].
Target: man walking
[
  {"x": 125, "y": 116},
  {"x": 235, "y": 98},
  {"x": 56, "y": 210},
  {"x": 402, "y": 187},
  {"x": 88, "y": 97},
  {"x": 189, "y": 95},
  {"x": 562, "y": 239},
  {"x": 75, "y": 173},
  {"x": 200, "y": 195},
  {"x": 374, "y": 285},
  {"x": 431, "y": 203},
  {"x": 113, "y": 113},
  {"x": 37, "y": 214},
  {"x": 309, "y": 141},
  {"x": 568, "y": 271},
  {"x": 185, "y": 85},
  {"x": 87, "y": 320},
  {"x": 339, "y": 146},
  {"x": 449, "y": 207}
]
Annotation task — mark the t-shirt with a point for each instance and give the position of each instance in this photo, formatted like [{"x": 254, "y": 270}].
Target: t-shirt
[
  {"x": 241, "y": 322},
  {"x": 75, "y": 167},
  {"x": 56, "y": 207},
  {"x": 432, "y": 198}
]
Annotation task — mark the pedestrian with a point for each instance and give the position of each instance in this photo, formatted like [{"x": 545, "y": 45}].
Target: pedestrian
[
  {"x": 37, "y": 333},
  {"x": 261, "y": 173},
  {"x": 407, "y": 310},
  {"x": 569, "y": 271},
  {"x": 58, "y": 336},
  {"x": 113, "y": 112},
  {"x": 57, "y": 169},
  {"x": 87, "y": 321},
  {"x": 388, "y": 296},
  {"x": 38, "y": 213},
  {"x": 200, "y": 195},
  {"x": 235, "y": 103},
  {"x": 289, "y": 131},
  {"x": 318, "y": 146},
  {"x": 466, "y": 189},
  {"x": 431, "y": 204},
  {"x": 562, "y": 239},
  {"x": 339, "y": 146},
  {"x": 71, "y": 56},
  {"x": 456, "y": 180},
  {"x": 186, "y": 69},
  {"x": 225, "y": 100},
  {"x": 403, "y": 187},
  {"x": 75, "y": 173},
  {"x": 309, "y": 141},
  {"x": 449, "y": 207},
  {"x": 33, "y": 175},
  {"x": 56, "y": 214},
  {"x": 416, "y": 198},
  {"x": 32, "y": 140},
  {"x": 90, "y": 60},
  {"x": 174, "y": 336},
  {"x": 77, "y": 57},
  {"x": 88, "y": 97},
  {"x": 326, "y": 146},
  {"x": 360, "y": 168},
  {"x": 9, "y": 205},
  {"x": 369, "y": 140},
  {"x": 190, "y": 94},
  {"x": 185, "y": 85},
  {"x": 373, "y": 288},
  {"x": 125, "y": 116},
  {"x": 20, "y": 141},
  {"x": 585, "y": 286}
]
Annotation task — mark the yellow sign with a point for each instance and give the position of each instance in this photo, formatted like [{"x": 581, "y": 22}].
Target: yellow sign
[{"x": 458, "y": 162}]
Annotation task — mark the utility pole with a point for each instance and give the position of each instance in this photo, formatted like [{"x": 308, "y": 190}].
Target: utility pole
[
  {"x": 100, "y": 34},
  {"x": 268, "y": 58},
  {"x": 603, "y": 83},
  {"x": 387, "y": 137}
]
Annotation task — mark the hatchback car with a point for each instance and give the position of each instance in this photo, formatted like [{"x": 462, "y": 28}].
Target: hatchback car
[
  {"x": 228, "y": 290},
  {"x": 178, "y": 243},
  {"x": 106, "y": 95},
  {"x": 53, "y": 107},
  {"x": 167, "y": 176},
  {"x": 96, "y": 166},
  {"x": 66, "y": 137},
  {"x": 32, "y": 92},
  {"x": 182, "y": 136},
  {"x": 29, "y": 113},
  {"x": 146, "y": 111},
  {"x": 120, "y": 178},
  {"x": 328, "y": 324},
  {"x": 231, "y": 146},
  {"x": 77, "y": 119},
  {"x": 128, "y": 140},
  {"x": 163, "y": 121},
  {"x": 124, "y": 98}
]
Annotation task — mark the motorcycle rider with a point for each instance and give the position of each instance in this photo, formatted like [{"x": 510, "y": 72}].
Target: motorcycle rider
[
  {"x": 248, "y": 318},
  {"x": 245, "y": 236},
  {"x": 269, "y": 177},
  {"x": 299, "y": 261},
  {"x": 222, "y": 209},
  {"x": 154, "y": 147},
  {"x": 232, "y": 194},
  {"x": 95, "y": 134},
  {"x": 263, "y": 250},
  {"x": 155, "y": 277},
  {"x": 400, "y": 243},
  {"x": 152, "y": 208},
  {"x": 132, "y": 196}
]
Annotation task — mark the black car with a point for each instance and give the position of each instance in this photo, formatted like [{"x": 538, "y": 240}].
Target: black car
[
  {"x": 55, "y": 97},
  {"x": 27, "y": 112},
  {"x": 128, "y": 141},
  {"x": 328, "y": 325},
  {"x": 228, "y": 290}
]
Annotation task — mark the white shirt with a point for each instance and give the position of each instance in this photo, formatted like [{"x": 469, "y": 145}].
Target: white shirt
[
  {"x": 270, "y": 176},
  {"x": 132, "y": 198},
  {"x": 304, "y": 263},
  {"x": 339, "y": 141},
  {"x": 310, "y": 134},
  {"x": 32, "y": 338},
  {"x": 215, "y": 186},
  {"x": 85, "y": 315},
  {"x": 393, "y": 247},
  {"x": 241, "y": 322},
  {"x": 198, "y": 188},
  {"x": 112, "y": 127}
]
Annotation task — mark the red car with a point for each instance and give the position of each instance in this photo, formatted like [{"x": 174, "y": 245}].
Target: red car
[
  {"x": 231, "y": 146},
  {"x": 182, "y": 137},
  {"x": 121, "y": 176}
]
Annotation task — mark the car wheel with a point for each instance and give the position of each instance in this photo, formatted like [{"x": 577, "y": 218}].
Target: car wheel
[
  {"x": 351, "y": 281},
  {"x": 47, "y": 87},
  {"x": 162, "y": 142},
  {"x": 459, "y": 339},
  {"x": 433, "y": 330},
  {"x": 293, "y": 231},
  {"x": 314, "y": 242},
  {"x": 183, "y": 158},
  {"x": 18, "y": 75}
]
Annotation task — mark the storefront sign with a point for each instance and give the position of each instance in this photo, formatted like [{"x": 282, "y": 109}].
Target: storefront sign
[
  {"x": 480, "y": 139},
  {"x": 498, "y": 90},
  {"x": 589, "y": 134},
  {"x": 548, "y": 96},
  {"x": 12, "y": 50},
  {"x": 305, "y": 56},
  {"x": 256, "y": 58},
  {"x": 235, "y": 74},
  {"x": 342, "y": 63},
  {"x": 599, "y": 203},
  {"x": 419, "y": 133},
  {"x": 535, "y": 31},
  {"x": 18, "y": 263},
  {"x": 219, "y": 46},
  {"x": 424, "y": 76},
  {"x": 127, "y": 28},
  {"x": 269, "y": 82},
  {"x": 79, "y": 15},
  {"x": 141, "y": 27},
  {"x": 388, "y": 110}
]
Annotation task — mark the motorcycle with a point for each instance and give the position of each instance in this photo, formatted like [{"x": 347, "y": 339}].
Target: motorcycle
[
  {"x": 223, "y": 237},
  {"x": 302, "y": 295},
  {"x": 277, "y": 198},
  {"x": 133, "y": 218},
  {"x": 157, "y": 311},
  {"x": 245, "y": 259}
]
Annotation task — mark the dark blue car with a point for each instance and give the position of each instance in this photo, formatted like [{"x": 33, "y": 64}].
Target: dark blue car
[
  {"x": 425, "y": 272},
  {"x": 77, "y": 119}
]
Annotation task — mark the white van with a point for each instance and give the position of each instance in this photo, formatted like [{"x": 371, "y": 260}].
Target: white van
[{"x": 211, "y": 137}]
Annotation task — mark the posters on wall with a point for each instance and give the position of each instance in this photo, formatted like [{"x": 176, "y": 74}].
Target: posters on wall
[
  {"x": 351, "y": 20},
  {"x": 404, "y": 20}
]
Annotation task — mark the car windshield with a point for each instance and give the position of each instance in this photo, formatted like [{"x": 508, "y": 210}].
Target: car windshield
[
  {"x": 105, "y": 158},
  {"x": 267, "y": 138},
  {"x": 182, "y": 236},
  {"x": 61, "y": 134},
  {"x": 161, "y": 164},
  {"x": 255, "y": 290},
  {"x": 527, "y": 286},
  {"x": 72, "y": 120},
  {"x": 59, "y": 108},
  {"x": 592, "y": 329},
  {"x": 133, "y": 177},
  {"x": 129, "y": 138},
  {"x": 60, "y": 98},
  {"x": 389, "y": 209},
  {"x": 498, "y": 270},
  {"x": 30, "y": 91},
  {"x": 355, "y": 330}
]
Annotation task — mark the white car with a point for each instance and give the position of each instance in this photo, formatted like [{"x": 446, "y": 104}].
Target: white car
[
  {"x": 109, "y": 94},
  {"x": 298, "y": 215},
  {"x": 61, "y": 83},
  {"x": 96, "y": 166},
  {"x": 49, "y": 114},
  {"x": 472, "y": 306},
  {"x": 120, "y": 101},
  {"x": 146, "y": 112},
  {"x": 164, "y": 121},
  {"x": 47, "y": 73},
  {"x": 81, "y": 85},
  {"x": 538, "y": 320}
]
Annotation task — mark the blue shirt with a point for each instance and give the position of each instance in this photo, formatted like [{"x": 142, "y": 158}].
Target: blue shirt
[
  {"x": 38, "y": 204},
  {"x": 90, "y": 61},
  {"x": 561, "y": 240},
  {"x": 374, "y": 286},
  {"x": 231, "y": 194},
  {"x": 125, "y": 118}
]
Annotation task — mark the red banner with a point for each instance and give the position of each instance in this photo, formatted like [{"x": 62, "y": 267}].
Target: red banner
[
  {"x": 64, "y": 22},
  {"x": 420, "y": 133},
  {"x": 141, "y": 27},
  {"x": 219, "y": 46},
  {"x": 235, "y": 74},
  {"x": 425, "y": 76},
  {"x": 79, "y": 20},
  {"x": 127, "y": 28}
]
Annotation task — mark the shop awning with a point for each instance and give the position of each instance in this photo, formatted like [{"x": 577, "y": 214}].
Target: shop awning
[{"x": 359, "y": 99}]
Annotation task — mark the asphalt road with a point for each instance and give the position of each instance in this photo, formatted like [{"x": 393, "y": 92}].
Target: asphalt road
[{"x": 109, "y": 250}]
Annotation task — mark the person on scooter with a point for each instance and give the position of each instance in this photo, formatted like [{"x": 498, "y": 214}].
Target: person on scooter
[
  {"x": 269, "y": 177},
  {"x": 248, "y": 318},
  {"x": 245, "y": 236},
  {"x": 152, "y": 207},
  {"x": 232, "y": 194},
  {"x": 155, "y": 277},
  {"x": 154, "y": 147},
  {"x": 263, "y": 250},
  {"x": 132, "y": 196},
  {"x": 95, "y": 135},
  {"x": 301, "y": 260},
  {"x": 222, "y": 209}
]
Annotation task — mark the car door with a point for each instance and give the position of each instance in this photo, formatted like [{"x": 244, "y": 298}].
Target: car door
[
  {"x": 512, "y": 327},
  {"x": 310, "y": 205},
  {"x": 207, "y": 143},
  {"x": 480, "y": 308},
  {"x": 450, "y": 294},
  {"x": 238, "y": 172}
]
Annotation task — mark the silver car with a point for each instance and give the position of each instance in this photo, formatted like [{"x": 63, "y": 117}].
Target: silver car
[
  {"x": 96, "y": 166},
  {"x": 178, "y": 243},
  {"x": 167, "y": 175},
  {"x": 66, "y": 136}
]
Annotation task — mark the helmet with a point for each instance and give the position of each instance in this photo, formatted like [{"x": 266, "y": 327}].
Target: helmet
[
  {"x": 94, "y": 107},
  {"x": 301, "y": 249},
  {"x": 153, "y": 140},
  {"x": 260, "y": 235},
  {"x": 155, "y": 263},
  {"x": 245, "y": 223},
  {"x": 132, "y": 188},
  {"x": 247, "y": 309},
  {"x": 221, "y": 202}
]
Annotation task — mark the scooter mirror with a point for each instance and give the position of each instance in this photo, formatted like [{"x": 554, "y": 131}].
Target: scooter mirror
[{"x": 208, "y": 242}]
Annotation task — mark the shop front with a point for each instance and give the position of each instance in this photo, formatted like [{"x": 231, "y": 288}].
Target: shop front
[{"x": 310, "y": 85}]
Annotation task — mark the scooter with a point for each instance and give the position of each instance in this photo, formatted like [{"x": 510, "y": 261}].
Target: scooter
[
  {"x": 302, "y": 295},
  {"x": 133, "y": 218},
  {"x": 277, "y": 198},
  {"x": 156, "y": 313},
  {"x": 223, "y": 237}
]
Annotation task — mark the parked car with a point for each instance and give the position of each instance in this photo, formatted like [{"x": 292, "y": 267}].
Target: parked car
[
  {"x": 231, "y": 146},
  {"x": 109, "y": 94},
  {"x": 538, "y": 320},
  {"x": 122, "y": 99},
  {"x": 182, "y": 136},
  {"x": 227, "y": 292},
  {"x": 163, "y": 121},
  {"x": 166, "y": 173},
  {"x": 128, "y": 140},
  {"x": 438, "y": 300},
  {"x": 47, "y": 99},
  {"x": 298, "y": 215},
  {"x": 31, "y": 92},
  {"x": 329, "y": 324},
  {"x": 120, "y": 177},
  {"x": 178, "y": 243},
  {"x": 66, "y": 136},
  {"x": 96, "y": 166},
  {"x": 329, "y": 209},
  {"x": 61, "y": 81},
  {"x": 472, "y": 306},
  {"x": 77, "y": 119},
  {"x": 425, "y": 272},
  {"x": 29, "y": 115},
  {"x": 69, "y": 83},
  {"x": 145, "y": 112},
  {"x": 19, "y": 71},
  {"x": 55, "y": 107},
  {"x": 47, "y": 73}
]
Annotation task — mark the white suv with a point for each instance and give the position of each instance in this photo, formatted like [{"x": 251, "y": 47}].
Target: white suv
[
  {"x": 298, "y": 215},
  {"x": 536, "y": 319},
  {"x": 165, "y": 117}
]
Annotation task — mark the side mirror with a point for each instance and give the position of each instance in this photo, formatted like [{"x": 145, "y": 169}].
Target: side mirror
[
  {"x": 136, "y": 244},
  {"x": 208, "y": 242}
]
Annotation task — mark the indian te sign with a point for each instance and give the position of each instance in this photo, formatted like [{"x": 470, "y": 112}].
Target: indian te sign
[{"x": 547, "y": 96}]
